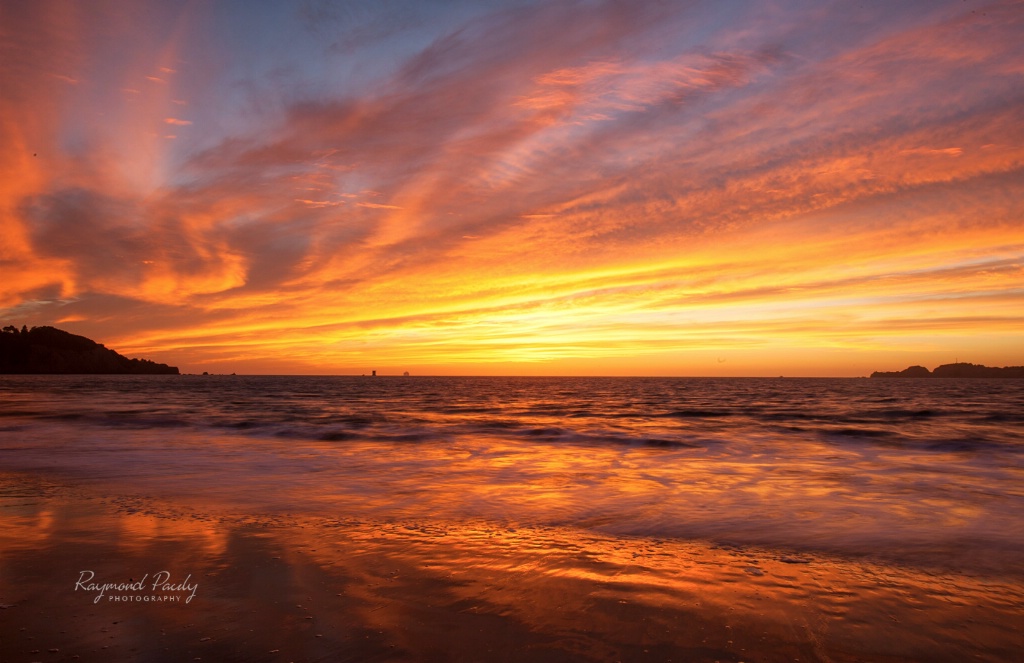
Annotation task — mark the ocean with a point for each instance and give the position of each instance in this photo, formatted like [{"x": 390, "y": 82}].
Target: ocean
[
  {"x": 511, "y": 519},
  {"x": 916, "y": 470}
]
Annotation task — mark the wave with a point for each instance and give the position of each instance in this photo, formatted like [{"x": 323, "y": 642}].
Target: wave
[{"x": 948, "y": 415}]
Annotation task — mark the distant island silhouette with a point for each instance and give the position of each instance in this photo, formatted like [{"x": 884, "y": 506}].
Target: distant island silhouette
[
  {"x": 958, "y": 370},
  {"x": 53, "y": 351}
]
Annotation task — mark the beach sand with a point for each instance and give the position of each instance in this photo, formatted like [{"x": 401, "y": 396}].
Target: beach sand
[{"x": 286, "y": 587}]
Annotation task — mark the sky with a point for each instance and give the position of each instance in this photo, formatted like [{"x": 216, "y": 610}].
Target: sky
[{"x": 517, "y": 188}]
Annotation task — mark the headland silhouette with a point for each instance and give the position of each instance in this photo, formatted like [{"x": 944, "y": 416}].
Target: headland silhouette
[
  {"x": 49, "y": 350},
  {"x": 957, "y": 370}
]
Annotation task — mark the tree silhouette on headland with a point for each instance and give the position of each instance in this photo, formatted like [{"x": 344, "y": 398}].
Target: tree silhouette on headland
[{"x": 53, "y": 351}]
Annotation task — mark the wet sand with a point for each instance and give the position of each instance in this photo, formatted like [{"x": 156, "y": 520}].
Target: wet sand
[{"x": 308, "y": 588}]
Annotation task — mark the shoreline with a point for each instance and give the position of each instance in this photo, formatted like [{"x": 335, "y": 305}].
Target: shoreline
[{"x": 350, "y": 588}]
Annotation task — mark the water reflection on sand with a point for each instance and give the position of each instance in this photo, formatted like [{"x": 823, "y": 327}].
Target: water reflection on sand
[
  {"x": 316, "y": 587},
  {"x": 953, "y": 509}
]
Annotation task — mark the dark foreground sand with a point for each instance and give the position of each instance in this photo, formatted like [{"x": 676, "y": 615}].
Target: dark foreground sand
[{"x": 303, "y": 588}]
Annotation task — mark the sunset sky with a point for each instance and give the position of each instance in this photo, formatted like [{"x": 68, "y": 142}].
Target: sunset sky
[{"x": 548, "y": 188}]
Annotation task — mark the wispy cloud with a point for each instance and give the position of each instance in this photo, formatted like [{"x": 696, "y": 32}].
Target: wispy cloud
[
  {"x": 378, "y": 206},
  {"x": 320, "y": 203}
]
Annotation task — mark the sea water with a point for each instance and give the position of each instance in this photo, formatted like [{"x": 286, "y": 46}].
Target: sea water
[{"x": 926, "y": 471}]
